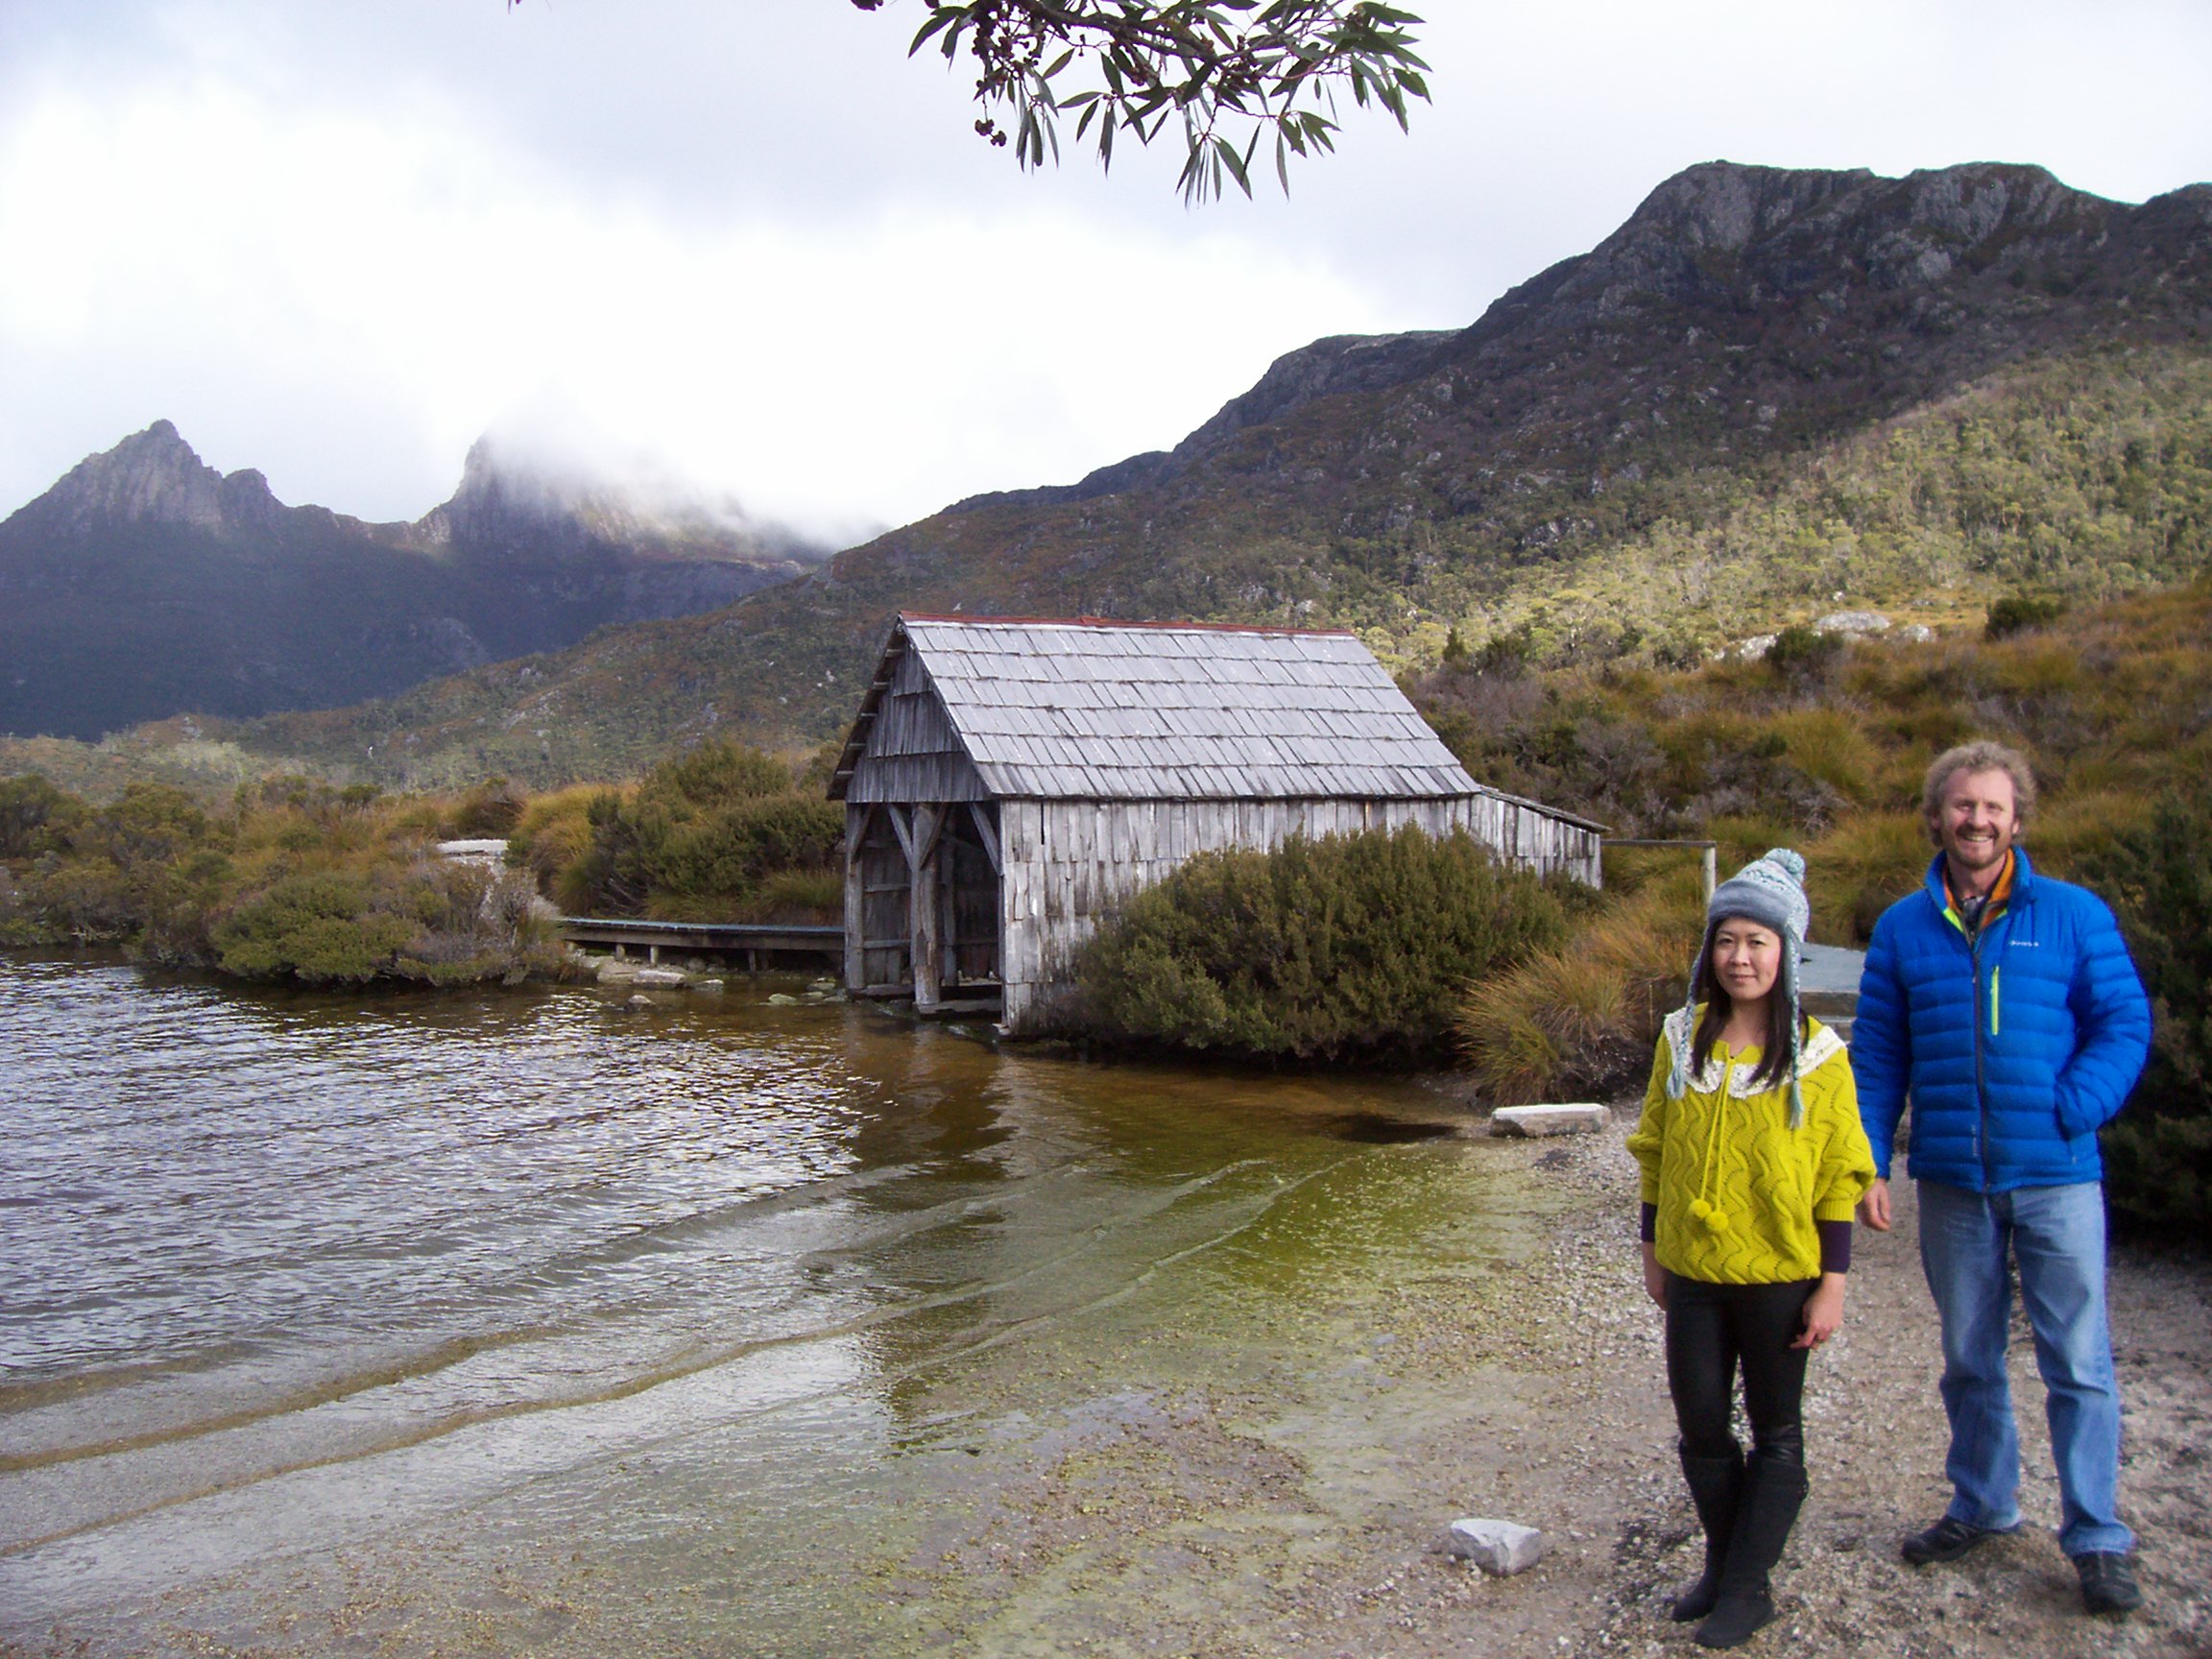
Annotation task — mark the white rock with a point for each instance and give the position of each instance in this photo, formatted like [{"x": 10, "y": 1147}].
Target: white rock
[
  {"x": 713, "y": 987},
  {"x": 782, "y": 1000},
  {"x": 1502, "y": 1547},
  {"x": 1582, "y": 1118},
  {"x": 658, "y": 979},
  {"x": 479, "y": 852},
  {"x": 1916, "y": 632},
  {"x": 1852, "y": 622}
]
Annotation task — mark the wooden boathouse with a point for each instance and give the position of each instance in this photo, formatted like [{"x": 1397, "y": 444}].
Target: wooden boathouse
[{"x": 1007, "y": 782}]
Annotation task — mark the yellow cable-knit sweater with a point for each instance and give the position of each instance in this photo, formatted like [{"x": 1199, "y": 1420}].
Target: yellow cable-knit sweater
[{"x": 1737, "y": 1189}]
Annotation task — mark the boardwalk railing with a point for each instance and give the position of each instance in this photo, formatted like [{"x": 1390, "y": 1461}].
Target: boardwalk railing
[{"x": 759, "y": 944}]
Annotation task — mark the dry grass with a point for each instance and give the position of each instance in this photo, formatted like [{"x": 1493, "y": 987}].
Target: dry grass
[{"x": 1586, "y": 1012}]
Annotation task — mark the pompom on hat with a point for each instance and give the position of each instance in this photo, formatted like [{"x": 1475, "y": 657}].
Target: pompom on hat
[{"x": 1770, "y": 891}]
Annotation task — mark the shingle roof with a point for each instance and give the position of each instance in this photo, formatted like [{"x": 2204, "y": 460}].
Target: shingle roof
[{"x": 1160, "y": 712}]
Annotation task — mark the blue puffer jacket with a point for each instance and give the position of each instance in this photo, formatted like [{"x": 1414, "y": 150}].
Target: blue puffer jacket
[{"x": 2015, "y": 1048}]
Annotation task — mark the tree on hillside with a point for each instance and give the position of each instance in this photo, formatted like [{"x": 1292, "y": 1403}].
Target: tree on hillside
[{"x": 1229, "y": 72}]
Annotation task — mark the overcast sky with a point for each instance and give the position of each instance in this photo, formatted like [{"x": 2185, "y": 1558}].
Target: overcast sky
[{"x": 751, "y": 244}]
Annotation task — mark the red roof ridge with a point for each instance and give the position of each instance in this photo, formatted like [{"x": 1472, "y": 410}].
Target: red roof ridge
[{"x": 1121, "y": 622}]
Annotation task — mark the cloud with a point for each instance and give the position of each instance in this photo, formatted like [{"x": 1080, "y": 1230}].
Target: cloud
[
  {"x": 758, "y": 247},
  {"x": 343, "y": 296}
]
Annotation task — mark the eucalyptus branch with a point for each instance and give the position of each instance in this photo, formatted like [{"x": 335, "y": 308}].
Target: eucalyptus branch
[{"x": 1230, "y": 72}]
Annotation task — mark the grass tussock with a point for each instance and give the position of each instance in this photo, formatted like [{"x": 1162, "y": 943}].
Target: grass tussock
[{"x": 1581, "y": 1015}]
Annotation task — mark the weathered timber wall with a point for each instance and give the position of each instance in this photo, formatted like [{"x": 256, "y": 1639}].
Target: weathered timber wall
[
  {"x": 1068, "y": 862},
  {"x": 913, "y": 752}
]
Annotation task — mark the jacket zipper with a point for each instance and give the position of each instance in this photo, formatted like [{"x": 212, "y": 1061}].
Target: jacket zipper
[{"x": 1980, "y": 1083}]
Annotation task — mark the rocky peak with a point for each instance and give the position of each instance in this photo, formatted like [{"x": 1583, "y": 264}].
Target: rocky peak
[
  {"x": 1721, "y": 229},
  {"x": 155, "y": 476}
]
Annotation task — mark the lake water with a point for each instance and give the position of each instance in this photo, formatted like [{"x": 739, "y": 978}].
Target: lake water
[{"x": 517, "y": 1322}]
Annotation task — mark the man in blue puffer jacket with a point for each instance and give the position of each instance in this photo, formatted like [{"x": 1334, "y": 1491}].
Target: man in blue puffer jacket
[{"x": 2004, "y": 1006}]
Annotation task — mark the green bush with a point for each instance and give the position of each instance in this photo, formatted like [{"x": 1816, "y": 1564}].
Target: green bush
[
  {"x": 2159, "y": 1153},
  {"x": 1801, "y": 654},
  {"x": 317, "y": 927},
  {"x": 2017, "y": 612},
  {"x": 702, "y": 838},
  {"x": 1349, "y": 948},
  {"x": 36, "y": 817}
]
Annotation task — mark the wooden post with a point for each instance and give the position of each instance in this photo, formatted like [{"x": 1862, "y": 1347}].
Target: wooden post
[
  {"x": 856, "y": 899},
  {"x": 922, "y": 907},
  {"x": 1712, "y": 865}
]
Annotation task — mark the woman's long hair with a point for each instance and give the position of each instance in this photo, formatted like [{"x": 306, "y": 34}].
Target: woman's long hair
[{"x": 1706, "y": 987}]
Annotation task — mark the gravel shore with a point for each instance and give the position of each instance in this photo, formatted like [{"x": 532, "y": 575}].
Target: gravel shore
[
  {"x": 1207, "y": 1526},
  {"x": 1876, "y": 1441}
]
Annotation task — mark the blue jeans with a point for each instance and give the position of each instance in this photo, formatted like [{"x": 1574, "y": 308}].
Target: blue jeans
[{"x": 2057, "y": 1237}]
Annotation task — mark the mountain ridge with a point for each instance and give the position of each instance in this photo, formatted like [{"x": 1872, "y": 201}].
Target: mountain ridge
[
  {"x": 145, "y": 583},
  {"x": 1769, "y": 393}
]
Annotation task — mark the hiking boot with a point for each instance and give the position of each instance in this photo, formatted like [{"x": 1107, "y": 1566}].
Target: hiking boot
[
  {"x": 1946, "y": 1541},
  {"x": 2107, "y": 1583}
]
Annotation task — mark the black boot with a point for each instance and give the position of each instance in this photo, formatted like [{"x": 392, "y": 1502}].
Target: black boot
[
  {"x": 1715, "y": 1484},
  {"x": 1773, "y": 1491}
]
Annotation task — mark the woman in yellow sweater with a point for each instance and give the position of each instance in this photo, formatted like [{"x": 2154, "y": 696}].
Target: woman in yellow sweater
[{"x": 1753, "y": 1159}]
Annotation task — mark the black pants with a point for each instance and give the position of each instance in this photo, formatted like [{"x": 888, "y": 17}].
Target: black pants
[{"x": 1714, "y": 1329}]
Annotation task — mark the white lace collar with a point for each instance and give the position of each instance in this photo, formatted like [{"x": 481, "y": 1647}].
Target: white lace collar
[{"x": 1819, "y": 1046}]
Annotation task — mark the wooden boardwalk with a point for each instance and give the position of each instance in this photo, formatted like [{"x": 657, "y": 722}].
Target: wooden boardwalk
[{"x": 760, "y": 945}]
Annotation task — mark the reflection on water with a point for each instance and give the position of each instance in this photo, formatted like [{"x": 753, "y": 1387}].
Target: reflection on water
[{"x": 287, "y": 1271}]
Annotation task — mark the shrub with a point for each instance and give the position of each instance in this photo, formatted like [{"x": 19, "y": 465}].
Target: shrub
[
  {"x": 1802, "y": 654},
  {"x": 699, "y": 837},
  {"x": 1828, "y": 746},
  {"x": 1348, "y": 948},
  {"x": 490, "y": 812},
  {"x": 36, "y": 817},
  {"x": 315, "y": 928},
  {"x": 2016, "y": 613},
  {"x": 297, "y": 879},
  {"x": 1859, "y": 868},
  {"x": 550, "y": 840},
  {"x": 2158, "y": 877}
]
